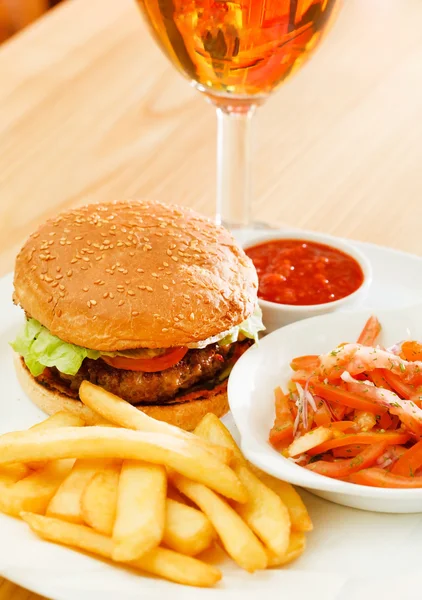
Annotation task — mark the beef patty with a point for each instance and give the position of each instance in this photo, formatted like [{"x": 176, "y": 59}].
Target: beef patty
[{"x": 198, "y": 366}]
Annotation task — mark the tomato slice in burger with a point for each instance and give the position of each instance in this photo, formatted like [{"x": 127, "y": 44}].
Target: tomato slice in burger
[{"x": 149, "y": 365}]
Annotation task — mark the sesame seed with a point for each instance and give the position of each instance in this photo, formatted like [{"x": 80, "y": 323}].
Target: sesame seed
[
  {"x": 58, "y": 312},
  {"x": 135, "y": 313},
  {"x": 142, "y": 287},
  {"x": 61, "y": 287},
  {"x": 111, "y": 295},
  {"x": 119, "y": 244},
  {"x": 166, "y": 287},
  {"x": 85, "y": 258},
  {"x": 192, "y": 316},
  {"x": 73, "y": 261},
  {"x": 164, "y": 329},
  {"x": 78, "y": 237},
  {"x": 93, "y": 302},
  {"x": 131, "y": 254},
  {"x": 121, "y": 302},
  {"x": 98, "y": 257},
  {"x": 174, "y": 258},
  {"x": 88, "y": 304},
  {"x": 47, "y": 278},
  {"x": 172, "y": 246},
  {"x": 69, "y": 273},
  {"x": 131, "y": 293},
  {"x": 85, "y": 289},
  {"x": 140, "y": 270},
  {"x": 105, "y": 295},
  {"x": 149, "y": 288},
  {"x": 55, "y": 284},
  {"x": 50, "y": 299},
  {"x": 59, "y": 276},
  {"x": 165, "y": 264},
  {"x": 33, "y": 267},
  {"x": 169, "y": 252},
  {"x": 154, "y": 274}
]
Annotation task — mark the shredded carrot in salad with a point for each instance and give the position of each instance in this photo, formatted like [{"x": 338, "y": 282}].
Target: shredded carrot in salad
[{"x": 355, "y": 413}]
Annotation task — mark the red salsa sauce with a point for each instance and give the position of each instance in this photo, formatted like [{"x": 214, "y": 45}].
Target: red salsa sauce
[{"x": 300, "y": 272}]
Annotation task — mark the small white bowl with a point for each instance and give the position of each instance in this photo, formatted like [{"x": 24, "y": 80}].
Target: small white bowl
[
  {"x": 266, "y": 365},
  {"x": 277, "y": 315}
]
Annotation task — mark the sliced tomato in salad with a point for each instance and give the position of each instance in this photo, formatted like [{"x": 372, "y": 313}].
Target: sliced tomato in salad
[
  {"x": 343, "y": 397},
  {"x": 344, "y": 468},
  {"x": 370, "y": 437},
  {"x": 282, "y": 430},
  {"x": 149, "y": 365},
  {"x": 409, "y": 462},
  {"x": 411, "y": 351},
  {"x": 376, "y": 477}
]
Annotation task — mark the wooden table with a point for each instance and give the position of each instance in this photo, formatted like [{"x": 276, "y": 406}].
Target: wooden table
[{"x": 90, "y": 110}]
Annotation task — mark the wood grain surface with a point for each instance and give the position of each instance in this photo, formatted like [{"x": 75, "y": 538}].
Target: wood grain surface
[{"x": 90, "y": 110}]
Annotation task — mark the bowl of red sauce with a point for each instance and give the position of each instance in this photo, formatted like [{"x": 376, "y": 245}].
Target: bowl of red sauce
[{"x": 302, "y": 275}]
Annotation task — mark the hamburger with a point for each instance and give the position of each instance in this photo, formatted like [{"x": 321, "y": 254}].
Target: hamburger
[{"x": 152, "y": 302}]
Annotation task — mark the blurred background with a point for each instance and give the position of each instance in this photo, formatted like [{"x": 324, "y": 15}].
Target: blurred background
[{"x": 17, "y": 14}]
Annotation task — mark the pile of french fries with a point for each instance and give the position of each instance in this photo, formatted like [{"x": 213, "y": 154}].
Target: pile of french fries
[{"x": 140, "y": 492}]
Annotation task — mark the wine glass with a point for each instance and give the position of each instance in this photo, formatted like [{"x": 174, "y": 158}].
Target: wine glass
[{"x": 236, "y": 53}]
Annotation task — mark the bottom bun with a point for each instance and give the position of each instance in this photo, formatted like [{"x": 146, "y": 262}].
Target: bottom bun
[{"x": 185, "y": 415}]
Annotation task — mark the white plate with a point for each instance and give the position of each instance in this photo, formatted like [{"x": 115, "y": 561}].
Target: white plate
[
  {"x": 263, "y": 367},
  {"x": 351, "y": 554}
]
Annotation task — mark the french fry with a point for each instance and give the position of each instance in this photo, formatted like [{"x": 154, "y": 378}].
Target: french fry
[
  {"x": 238, "y": 540},
  {"x": 13, "y": 472},
  {"x": 33, "y": 493},
  {"x": 59, "y": 419},
  {"x": 297, "y": 545},
  {"x": 109, "y": 442},
  {"x": 299, "y": 516},
  {"x": 211, "y": 428},
  {"x": 66, "y": 503},
  {"x": 187, "y": 530},
  {"x": 122, "y": 413},
  {"x": 160, "y": 561},
  {"x": 264, "y": 511},
  {"x": 99, "y": 500},
  {"x": 141, "y": 509},
  {"x": 309, "y": 440}
]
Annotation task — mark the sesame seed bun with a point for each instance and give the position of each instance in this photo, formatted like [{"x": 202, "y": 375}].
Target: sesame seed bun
[
  {"x": 186, "y": 415},
  {"x": 134, "y": 274}
]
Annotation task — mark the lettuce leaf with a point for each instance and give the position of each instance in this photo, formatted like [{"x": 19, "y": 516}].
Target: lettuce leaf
[
  {"x": 249, "y": 328},
  {"x": 41, "y": 349}
]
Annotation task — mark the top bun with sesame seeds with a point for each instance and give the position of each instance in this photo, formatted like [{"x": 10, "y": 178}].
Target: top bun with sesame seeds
[{"x": 134, "y": 274}]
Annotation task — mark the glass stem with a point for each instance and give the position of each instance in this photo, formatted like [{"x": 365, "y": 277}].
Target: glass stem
[{"x": 234, "y": 166}]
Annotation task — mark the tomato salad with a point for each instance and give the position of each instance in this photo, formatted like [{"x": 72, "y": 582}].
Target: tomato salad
[{"x": 355, "y": 413}]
